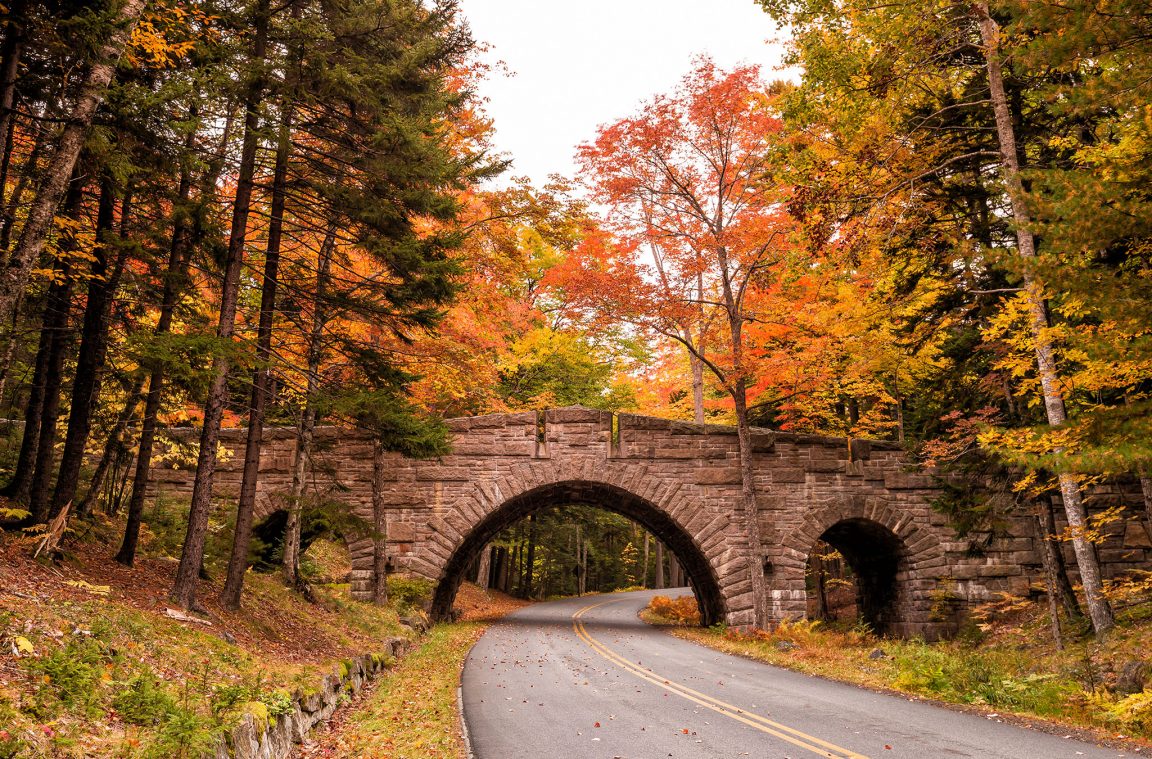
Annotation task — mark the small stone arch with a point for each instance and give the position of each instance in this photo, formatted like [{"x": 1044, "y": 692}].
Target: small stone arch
[
  {"x": 608, "y": 496},
  {"x": 894, "y": 559}
]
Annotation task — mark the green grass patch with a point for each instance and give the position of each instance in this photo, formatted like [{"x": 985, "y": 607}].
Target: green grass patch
[{"x": 413, "y": 712}]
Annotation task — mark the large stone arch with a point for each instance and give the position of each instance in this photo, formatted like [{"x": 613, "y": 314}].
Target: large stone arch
[
  {"x": 898, "y": 561},
  {"x": 654, "y": 518}
]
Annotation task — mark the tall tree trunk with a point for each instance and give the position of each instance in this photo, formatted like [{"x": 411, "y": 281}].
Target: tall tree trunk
[
  {"x": 530, "y": 561},
  {"x": 192, "y": 556},
  {"x": 57, "y": 313},
  {"x": 485, "y": 568},
  {"x": 380, "y": 527},
  {"x": 697, "y": 388},
  {"x": 1054, "y": 555},
  {"x": 1146, "y": 491},
  {"x": 175, "y": 281},
  {"x": 659, "y": 581},
  {"x": 10, "y": 53},
  {"x": 1051, "y": 583},
  {"x": 647, "y": 548},
  {"x": 751, "y": 508},
  {"x": 102, "y": 285},
  {"x": 1099, "y": 609},
  {"x": 304, "y": 432},
  {"x": 17, "y": 488},
  {"x": 262, "y": 374},
  {"x": 14, "y": 278},
  {"x": 820, "y": 582},
  {"x": 112, "y": 446},
  {"x": 13, "y": 204}
]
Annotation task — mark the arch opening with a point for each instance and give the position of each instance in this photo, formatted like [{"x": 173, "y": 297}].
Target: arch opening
[
  {"x": 854, "y": 574},
  {"x": 696, "y": 567}
]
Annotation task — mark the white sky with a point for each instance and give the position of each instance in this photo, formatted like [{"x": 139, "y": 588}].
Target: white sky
[{"x": 581, "y": 63}]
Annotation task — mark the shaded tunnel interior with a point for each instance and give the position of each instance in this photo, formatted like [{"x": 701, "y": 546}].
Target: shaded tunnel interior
[
  {"x": 598, "y": 495},
  {"x": 875, "y": 555}
]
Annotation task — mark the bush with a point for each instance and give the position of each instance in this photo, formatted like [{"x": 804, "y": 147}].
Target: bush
[
  {"x": 144, "y": 702},
  {"x": 185, "y": 735},
  {"x": 681, "y": 611},
  {"x": 69, "y": 677},
  {"x": 408, "y": 593}
]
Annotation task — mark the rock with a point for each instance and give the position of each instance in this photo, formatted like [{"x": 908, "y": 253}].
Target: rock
[
  {"x": 416, "y": 622},
  {"x": 877, "y": 654},
  {"x": 784, "y": 645},
  {"x": 228, "y": 637},
  {"x": 1131, "y": 678},
  {"x": 246, "y": 739}
]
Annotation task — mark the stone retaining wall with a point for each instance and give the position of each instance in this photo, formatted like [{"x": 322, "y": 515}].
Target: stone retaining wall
[{"x": 258, "y": 736}]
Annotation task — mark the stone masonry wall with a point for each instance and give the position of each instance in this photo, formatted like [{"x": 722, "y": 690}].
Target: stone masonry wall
[{"x": 682, "y": 481}]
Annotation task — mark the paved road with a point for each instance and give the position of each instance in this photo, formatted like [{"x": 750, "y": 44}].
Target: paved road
[{"x": 585, "y": 679}]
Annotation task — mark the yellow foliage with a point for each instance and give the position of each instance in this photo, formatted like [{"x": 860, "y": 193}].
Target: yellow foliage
[{"x": 681, "y": 611}]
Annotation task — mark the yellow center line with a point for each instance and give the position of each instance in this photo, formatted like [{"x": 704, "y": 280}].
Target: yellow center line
[{"x": 776, "y": 729}]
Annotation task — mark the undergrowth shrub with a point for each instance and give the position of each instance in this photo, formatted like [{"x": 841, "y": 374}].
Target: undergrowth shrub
[
  {"x": 407, "y": 593},
  {"x": 185, "y": 734},
  {"x": 1132, "y": 713},
  {"x": 69, "y": 677},
  {"x": 145, "y": 701},
  {"x": 957, "y": 674},
  {"x": 680, "y": 611}
]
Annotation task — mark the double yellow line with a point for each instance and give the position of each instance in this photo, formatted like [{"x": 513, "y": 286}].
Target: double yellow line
[{"x": 763, "y": 724}]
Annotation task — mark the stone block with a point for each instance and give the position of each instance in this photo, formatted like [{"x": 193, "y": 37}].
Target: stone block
[{"x": 788, "y": 475}]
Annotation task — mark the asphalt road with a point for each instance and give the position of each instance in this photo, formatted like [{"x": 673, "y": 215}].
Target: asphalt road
[{"x": 585, "y": 679}]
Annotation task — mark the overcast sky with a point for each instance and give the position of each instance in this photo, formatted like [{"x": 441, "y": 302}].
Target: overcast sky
[{"x": 577, "y": 64}]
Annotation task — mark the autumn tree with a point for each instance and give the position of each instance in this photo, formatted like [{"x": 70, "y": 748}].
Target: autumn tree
[{"x": 697, "y": 227}]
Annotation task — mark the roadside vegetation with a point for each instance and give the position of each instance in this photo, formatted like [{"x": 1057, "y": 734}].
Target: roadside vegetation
[
  {"x": 412, "y": 713},
  {"x": 1004, "y": 662},
  {"x": 93, "y": 665}
]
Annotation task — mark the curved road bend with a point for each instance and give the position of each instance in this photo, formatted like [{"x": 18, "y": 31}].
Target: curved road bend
[{"x": 538, "y": 683}]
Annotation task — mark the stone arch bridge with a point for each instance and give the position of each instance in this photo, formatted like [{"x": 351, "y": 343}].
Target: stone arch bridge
[{"x": 681, "y": 481}]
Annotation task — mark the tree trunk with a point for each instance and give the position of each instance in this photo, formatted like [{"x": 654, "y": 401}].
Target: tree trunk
[
  {"x": 26, "y": 173},
  {"x": 820, "y": 581},
  {"x": 1146, "y": 491},
  {"x": 175, "y": 281},
  {"x": 17, "y": 488},
  {"x": 659, "y": 580},
  {"x": 697, "y": 388},
  {"x": 57, "y": 313},
  {"x": 530, "y": 561},
  {"x": 1051, "y": 584},
  {"x": 14, "y": 278},
  {"x": 261, "y": 375},
  {"x": 10, "y": 54},
  {"x": 1099, "y": 609},
  {"x": 307, "y": 425},
  {"x": 112, "y": 446},
  {"x": 380, "y": 526},
  {"x": 647, "y": 548},
  {"x": 192, "y": 557},
  {"x": 102, "y": 285},
  {"x": 1055, "y": 556},
  {"x": 751, "y": 508},
  {"x": 485, "y": 567}
]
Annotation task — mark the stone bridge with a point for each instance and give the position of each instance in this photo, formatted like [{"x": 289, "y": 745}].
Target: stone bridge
[{"x": 681, "y": 482}]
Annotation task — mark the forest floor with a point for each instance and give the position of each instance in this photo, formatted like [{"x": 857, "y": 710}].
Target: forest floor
[
  {"x": 1004, "y": 665},
  {"x": 92, "y": 662}
]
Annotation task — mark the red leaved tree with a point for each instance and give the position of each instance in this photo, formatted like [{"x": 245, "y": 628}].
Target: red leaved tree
[{"x": 697, "y": 229}]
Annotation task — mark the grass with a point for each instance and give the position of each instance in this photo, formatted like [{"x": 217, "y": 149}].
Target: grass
[
  {"x": 90, "y": 664},
  {"x": 412, "y": 712},
  {"x": 1009, "y": 665}
]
